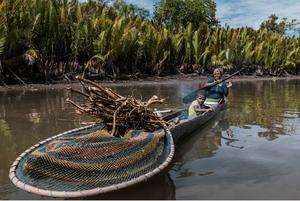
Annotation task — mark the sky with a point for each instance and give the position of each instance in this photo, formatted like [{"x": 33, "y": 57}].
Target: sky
[{"x": 251, "y": 13}]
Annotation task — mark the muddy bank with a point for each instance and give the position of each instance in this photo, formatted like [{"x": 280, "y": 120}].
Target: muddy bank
[{"x": 147, "y": 81}]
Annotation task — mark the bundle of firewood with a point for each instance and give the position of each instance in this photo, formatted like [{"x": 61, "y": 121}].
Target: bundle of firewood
[{"x": 120, "y": 114}]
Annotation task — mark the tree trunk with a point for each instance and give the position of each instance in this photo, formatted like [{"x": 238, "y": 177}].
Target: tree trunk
[{"x": 1, "y": 74}]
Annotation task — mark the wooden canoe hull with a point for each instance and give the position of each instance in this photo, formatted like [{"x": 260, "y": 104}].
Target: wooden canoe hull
[{"x": 187, "y": 126}]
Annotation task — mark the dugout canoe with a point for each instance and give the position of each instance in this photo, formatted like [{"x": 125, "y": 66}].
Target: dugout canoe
[
  {"x": 188, "y": 125},
  {"x": 86, "y": 161}
]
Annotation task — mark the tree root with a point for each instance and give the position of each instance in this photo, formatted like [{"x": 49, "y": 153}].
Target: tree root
[{"x": 16, "y": 76}]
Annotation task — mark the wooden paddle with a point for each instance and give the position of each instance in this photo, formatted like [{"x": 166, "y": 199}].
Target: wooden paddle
[{"x": 193, "y": 95}]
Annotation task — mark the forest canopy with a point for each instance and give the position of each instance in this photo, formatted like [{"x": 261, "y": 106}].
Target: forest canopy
[
  {"x": 183, "y": 12},
  {"x": 46, "y": 40}
]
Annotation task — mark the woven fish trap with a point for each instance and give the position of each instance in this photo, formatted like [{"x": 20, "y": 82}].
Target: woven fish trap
[{"x": 89, "y": 161}]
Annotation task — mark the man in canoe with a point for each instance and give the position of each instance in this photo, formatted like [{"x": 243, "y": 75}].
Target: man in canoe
[
  {"x": 216, "y": 89},
  {"x": 198, "y": 106}
]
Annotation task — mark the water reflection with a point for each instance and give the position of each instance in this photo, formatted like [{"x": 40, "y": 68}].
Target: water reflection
[
  {"x": 7, "y": 147},
  {"x": 232, "y": 157},
  {"x": 160, "y": 187},
  {"x": 271, "y": 104},
  {"x": 246, "y": 150},
  {"x": 26, "y": 118},
  {"x": 205, "y": 142}
]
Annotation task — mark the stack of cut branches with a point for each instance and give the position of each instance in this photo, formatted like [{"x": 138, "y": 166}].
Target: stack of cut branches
[{"x": 120, "y": 114}]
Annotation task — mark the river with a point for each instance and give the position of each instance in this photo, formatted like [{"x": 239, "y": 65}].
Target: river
[{"x": 261, "y": 162}]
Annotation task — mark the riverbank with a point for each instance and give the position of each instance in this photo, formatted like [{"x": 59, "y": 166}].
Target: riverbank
[{"x": 147, "y": 81}]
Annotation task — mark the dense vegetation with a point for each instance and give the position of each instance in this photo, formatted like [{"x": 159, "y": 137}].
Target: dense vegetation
[
  {"x": 44, "y": 40},
  {"x": 173, "y": 12}
]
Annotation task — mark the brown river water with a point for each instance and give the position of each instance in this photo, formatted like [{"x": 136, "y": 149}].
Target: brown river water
[{"x": 261, "y": 162}]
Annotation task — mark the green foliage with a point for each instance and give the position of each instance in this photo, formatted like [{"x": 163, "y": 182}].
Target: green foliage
[
  {"x": 111, "y": 40},
  {"x": 278, "y": 27},
  {"x": 183, "y": 12},
  {"x": 2, "y": 43},
  {"x": 130, "y": 9}
]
